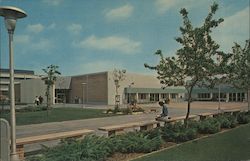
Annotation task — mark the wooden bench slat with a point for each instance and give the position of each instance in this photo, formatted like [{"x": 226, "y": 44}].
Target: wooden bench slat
[
  {"x": 208, "y": 114},
  {"x": 52, "y": 136},
  {"x": 117, "y": 127}
]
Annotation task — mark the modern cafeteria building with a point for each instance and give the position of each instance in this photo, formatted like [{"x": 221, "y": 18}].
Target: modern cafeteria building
[{"x": 99, "y": 88}]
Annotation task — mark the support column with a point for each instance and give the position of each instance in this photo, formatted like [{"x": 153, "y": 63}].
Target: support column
[{"x": 227, "y": 97}]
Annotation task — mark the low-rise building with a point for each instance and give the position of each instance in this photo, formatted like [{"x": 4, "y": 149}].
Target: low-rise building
[{"x": 99, "y": 88}]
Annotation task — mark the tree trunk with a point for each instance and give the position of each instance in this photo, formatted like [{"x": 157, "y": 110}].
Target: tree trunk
[
  {"x": 188, "y": 108},
  {"x": 248, "y": 99}
]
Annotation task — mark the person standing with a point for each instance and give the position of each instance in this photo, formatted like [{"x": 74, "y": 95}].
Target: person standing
[{"x": 37, "y": 100}]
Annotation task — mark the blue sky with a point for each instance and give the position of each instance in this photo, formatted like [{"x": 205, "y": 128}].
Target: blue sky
[{"x": 85, "y": 36}]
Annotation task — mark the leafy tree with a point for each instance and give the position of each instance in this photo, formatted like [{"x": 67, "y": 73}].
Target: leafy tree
[
  {"x": 195, "y": 60},
  {"x": 118, "y": 76},
  {"x": 50, "y": 79},
  {"x": 239, "y": 68}
]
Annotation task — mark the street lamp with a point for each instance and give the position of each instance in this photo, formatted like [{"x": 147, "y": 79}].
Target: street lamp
[
  {"x": 11, "y": 14},
  {"x": 83, "y": 100},
  {"x": 129, "y": 94}
]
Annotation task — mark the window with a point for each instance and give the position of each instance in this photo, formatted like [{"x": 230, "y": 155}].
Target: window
[
  {"x": 142, "y": 96},
  {"x": 203, "y": 95}
]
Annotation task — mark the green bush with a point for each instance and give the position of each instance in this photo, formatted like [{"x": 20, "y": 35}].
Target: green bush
[
  {"x": 96, "y": 148},
  {"x": 209, "y": 126},
  {"x": 137, "y": 142},
  {"x": 243, "y": 118},
  {"x": 91, "y": 148},
  {"x": 126, "y": 110},
  {"x": 178, "y": 132},
  {"x": 227, "y": 121}
]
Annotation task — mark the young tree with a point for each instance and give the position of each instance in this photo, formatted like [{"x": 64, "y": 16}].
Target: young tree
[
  {"x": 239, "y": 68},
  {"x": 51, "y": 75},
  {"x": 118, "y": 76},
  {"x": 195, "y": 61}
]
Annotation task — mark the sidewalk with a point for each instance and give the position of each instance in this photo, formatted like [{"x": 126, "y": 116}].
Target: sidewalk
[{"x": 93, "y": 124}]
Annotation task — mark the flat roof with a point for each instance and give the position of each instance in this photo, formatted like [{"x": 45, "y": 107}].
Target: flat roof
[
  {"x": 18, "y": 71},
  {"x": 155, "y": 90}
]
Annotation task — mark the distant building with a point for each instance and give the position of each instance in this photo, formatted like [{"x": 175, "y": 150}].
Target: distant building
[
  {"x": 18, "y": 76},
  {"x": 99, "y": 88}
]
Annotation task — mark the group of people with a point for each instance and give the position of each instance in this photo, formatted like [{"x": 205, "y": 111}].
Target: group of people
[
  {"x": 38, "y": 100},
  {"x": 164, "y": 105}
]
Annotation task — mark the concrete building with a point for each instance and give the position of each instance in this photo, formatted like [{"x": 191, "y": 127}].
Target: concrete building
[
  {"x": 18, "y": 76},
  {"x": 99, "y": 88}
]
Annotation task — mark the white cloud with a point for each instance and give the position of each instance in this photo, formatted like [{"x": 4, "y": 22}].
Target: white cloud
[
  {"x": 22, "y": 39},
  {"x": 52, "y": 26},
  {"x": 120, "y": 13},
  {"x": 74, "y": 28},
  {"x": 42, "y": 44},
  {"x": 116, "y": 43},
  {"x": 164, "y": 5},
  {"x": 53, "y": 2},
  {"x": 97, "y": 66},
  {"x": 29, "y": 43},
  {"x": 235, "y": 28},
  {"x": 36, "y": 28}
]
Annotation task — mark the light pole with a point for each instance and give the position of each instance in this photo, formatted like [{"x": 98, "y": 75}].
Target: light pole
[
  {"x": 219, "y": 108},
  {"x": 129, "y": 94},
  {"x": 11, "y": 14},
  {"x": 83, "y": 100}
]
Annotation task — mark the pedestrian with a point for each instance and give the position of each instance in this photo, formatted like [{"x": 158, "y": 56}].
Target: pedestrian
[
  {"x": 37, "y": 100},
  {"x": 40, "y": 100}
]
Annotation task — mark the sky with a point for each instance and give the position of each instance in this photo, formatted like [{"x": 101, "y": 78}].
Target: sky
[{"x": 86, "y": 36}]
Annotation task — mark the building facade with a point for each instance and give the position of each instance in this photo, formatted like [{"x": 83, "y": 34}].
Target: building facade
[
  {"x": 18, "y": 76},
  {"x": 99, "y": 88}
]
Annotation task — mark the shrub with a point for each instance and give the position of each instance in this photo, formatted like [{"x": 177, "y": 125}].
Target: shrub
[
  {"x": 137, "y": 142},
  {"x": 126, "y": 110},
  {"x": 243, "y": 118},
  {"x": 91, "y": 148},
  {"x": 178, "y": 133},
  {"x": 209, "y": 126},
  {"x": 227, "y": 121}
]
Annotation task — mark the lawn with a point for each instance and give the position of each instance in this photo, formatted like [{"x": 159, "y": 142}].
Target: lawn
[
  {"x": 231, "y": 145},
  {"x": 55, "y": 115}
]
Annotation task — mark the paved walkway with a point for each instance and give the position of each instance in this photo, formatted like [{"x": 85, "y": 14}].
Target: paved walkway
[{"x": 178, "y": 109}]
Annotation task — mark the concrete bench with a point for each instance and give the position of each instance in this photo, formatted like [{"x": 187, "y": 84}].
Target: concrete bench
[
  {"x": 148, "y": 125},
  {"x": 208, "y": 114},
  {"x": 117, "y": 129},
  {"x": 48, "y": 137},
  {"x": 179, "y": 118},
  {"x": 120, "y": 129},
  {"x": 232, "y": 111}
]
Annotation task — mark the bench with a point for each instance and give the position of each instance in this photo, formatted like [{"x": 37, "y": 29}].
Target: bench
[
  {"x": 179, "y": 118},
  {"x": 119, "y": 129},
  {"x": 48, "y": 137},
  {"x": 208, "y": 114},
  {"x": 148, "y": 125},
  {"x": 232, "y": 111}
]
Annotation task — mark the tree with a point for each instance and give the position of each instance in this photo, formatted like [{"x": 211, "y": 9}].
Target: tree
[
  {"x": 239, "y": 68},
  {"x": 118, "y": 76},
  {"x": 195, "y": 61},
  {"x": 50, "y": 79}
]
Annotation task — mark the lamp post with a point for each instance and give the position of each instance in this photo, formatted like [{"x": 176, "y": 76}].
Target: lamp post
[
  {"x": 83, "y": 100},
  {"x": 219, "y": 106},
  {"x": 11, "y": 14},
  {"x": 129, "y": 94}
]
